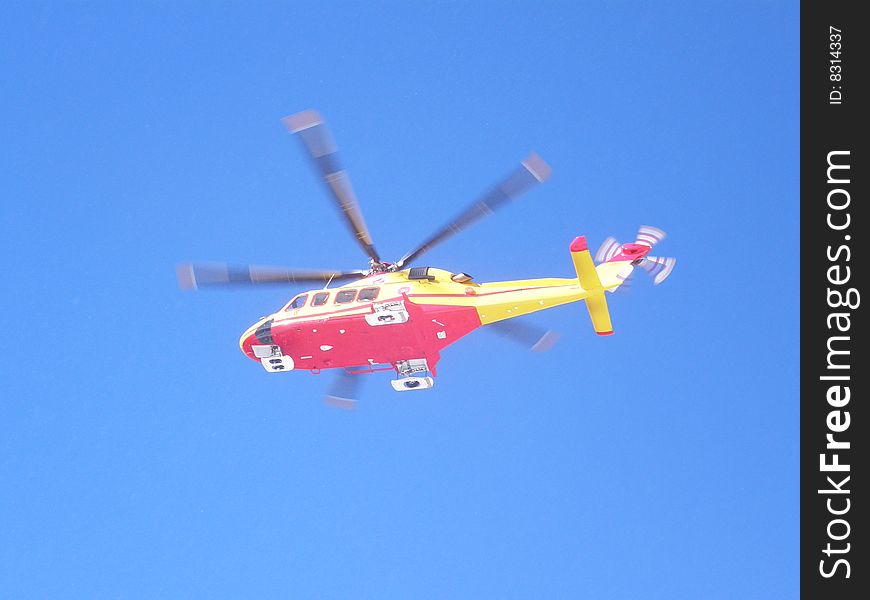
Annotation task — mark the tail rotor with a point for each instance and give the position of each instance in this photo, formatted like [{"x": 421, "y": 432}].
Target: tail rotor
[
  {"x": 649, "y": 235},
  {"x": 659, "y": 268},
  {"x": 607, "y": 250}
]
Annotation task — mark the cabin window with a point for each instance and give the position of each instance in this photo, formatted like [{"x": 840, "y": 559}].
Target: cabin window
[
  {"x": 298, "y": 302},
  {"x": 368, "y": 294},
  {"x": 345, "y": 296},
  {"x": 320, "y": 299}
]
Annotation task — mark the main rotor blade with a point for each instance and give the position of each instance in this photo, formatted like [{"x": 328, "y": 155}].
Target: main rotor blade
[
  {"x": 527, "y": 335},
  {"x": 532, "y": 171},
  {"x": 193, "y": 276},
  {"x": 318, "y": 142},
  {"x": 343, "y": 391}
]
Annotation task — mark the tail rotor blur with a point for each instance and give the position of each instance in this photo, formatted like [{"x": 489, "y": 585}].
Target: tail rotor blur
[
  {"x": 607, "y": 250},
  {"x": 658, "y": 267},
  {"x": 649, "y": 235}
]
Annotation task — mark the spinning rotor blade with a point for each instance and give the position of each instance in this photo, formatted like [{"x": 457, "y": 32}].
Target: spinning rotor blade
[
  {"x": 193, "y": 276},
  {"x": 342, "y": 393},
  {"x": 532, "y": 170},
  {"x": 649, "y": 235},
  {"x": 312, "y": 130},
  {"x": 658, "y": 267},
  {"x": 530, "y": 336},
  {"x": 607, "y": 250}
]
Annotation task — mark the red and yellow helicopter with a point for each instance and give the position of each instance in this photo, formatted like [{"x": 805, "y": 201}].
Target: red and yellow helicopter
[{"x": 394, "y": 317}]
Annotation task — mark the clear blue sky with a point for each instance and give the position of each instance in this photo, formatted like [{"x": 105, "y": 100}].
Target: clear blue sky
[{"x": 141, "y": 455}]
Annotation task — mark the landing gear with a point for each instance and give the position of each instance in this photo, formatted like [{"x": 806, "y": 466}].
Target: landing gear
[
  {"x": 407, "y": 384},
  {"x": 413, "y": 375},
  {"x": 272, "y": 359}
]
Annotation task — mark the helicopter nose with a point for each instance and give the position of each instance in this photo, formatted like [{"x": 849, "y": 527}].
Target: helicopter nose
[
  {"x": 258, "y": 334},
  {"x": 246, "y": 341}
]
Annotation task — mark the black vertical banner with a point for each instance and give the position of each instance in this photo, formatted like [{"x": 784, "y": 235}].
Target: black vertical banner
[{"x": 835, "y": 368}]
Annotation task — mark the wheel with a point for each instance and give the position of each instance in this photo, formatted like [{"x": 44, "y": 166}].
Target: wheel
[{"x": 412, "y": 384}]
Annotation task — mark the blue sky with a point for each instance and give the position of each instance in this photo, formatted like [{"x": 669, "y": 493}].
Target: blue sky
[{"x": 141, "y": 455}]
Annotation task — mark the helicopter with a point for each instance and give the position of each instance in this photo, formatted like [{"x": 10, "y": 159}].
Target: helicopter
[{"x": 399, "y": 318}]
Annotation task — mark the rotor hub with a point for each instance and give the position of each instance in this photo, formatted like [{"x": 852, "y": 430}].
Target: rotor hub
[{"x": 635, "y": 251}]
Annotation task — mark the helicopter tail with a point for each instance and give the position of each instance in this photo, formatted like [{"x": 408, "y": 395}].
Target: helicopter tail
[{"x": 589, "y": 280}]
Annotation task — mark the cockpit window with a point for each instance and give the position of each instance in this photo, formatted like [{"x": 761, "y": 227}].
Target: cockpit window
[
  {"x": 320, "y": 299},
  {"x": 345, "y": 296},
  {"x": 368, "y": 294},
  {"x": 298, "y": 302}
]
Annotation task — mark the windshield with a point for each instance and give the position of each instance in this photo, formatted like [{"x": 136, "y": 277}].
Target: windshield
[{"x": 298, "y": 302}]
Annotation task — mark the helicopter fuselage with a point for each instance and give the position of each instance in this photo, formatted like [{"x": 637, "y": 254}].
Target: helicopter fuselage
[{"x": 388, "y": 319}]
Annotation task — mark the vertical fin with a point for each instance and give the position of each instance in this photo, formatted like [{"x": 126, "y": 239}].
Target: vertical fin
[
  {"x": 599, "y": 314},
  {"x": 587, "y": 275}
]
